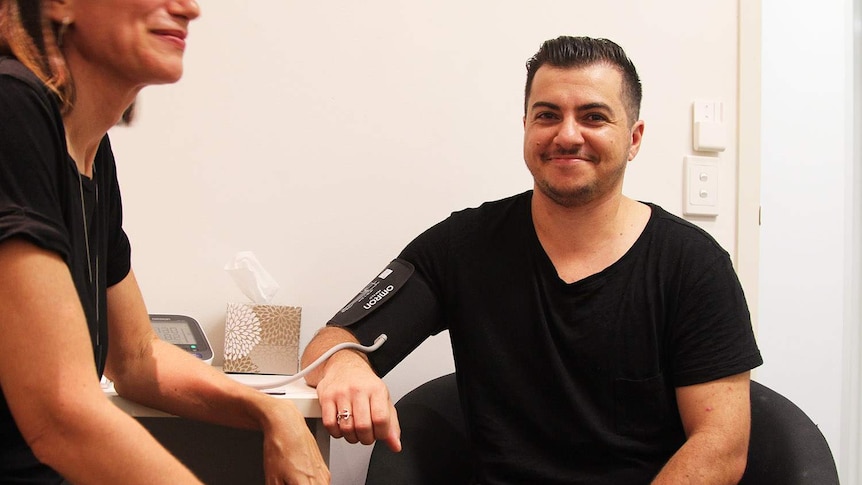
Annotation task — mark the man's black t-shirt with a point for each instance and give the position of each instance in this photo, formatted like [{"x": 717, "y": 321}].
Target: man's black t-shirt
[{"x": 569, "y": 383}]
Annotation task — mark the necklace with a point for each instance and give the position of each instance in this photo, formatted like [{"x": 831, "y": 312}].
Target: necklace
[{"x": 93, "y": 275}]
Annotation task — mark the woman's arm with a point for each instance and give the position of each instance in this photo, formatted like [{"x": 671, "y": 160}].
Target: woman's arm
[
  {"x": 158, "y": 374},
  {"x": 48, "y": 376}
]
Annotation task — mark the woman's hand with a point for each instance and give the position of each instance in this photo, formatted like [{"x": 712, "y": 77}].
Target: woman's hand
[{"x": 290, "y": 453}]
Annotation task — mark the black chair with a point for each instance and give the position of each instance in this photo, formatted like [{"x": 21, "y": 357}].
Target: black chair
[
  {"x": 786, "y": 447},
  {"x": 435, "y": 449}
]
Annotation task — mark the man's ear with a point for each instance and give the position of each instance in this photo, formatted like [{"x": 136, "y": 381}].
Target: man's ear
[
  {"x": 637, "y": 136},
  {"x": 60, "y": 11}
]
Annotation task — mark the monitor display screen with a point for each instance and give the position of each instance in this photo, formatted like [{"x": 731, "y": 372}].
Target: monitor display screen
[{"x": 178, "y": 333}]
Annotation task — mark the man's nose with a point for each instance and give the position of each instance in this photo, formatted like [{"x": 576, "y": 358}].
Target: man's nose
[{"x": 569, "y": 133}]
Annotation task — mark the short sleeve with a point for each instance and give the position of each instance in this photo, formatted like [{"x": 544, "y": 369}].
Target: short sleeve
[
  {"x": 31, "y": 155},
  {"x": 712, "y": 336}
]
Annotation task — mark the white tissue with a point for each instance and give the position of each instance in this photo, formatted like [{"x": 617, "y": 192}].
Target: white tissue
[{"x": 251, "y": 278}]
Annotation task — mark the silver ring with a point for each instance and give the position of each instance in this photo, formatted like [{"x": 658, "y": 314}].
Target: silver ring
[{"x": 343, "y": 415}]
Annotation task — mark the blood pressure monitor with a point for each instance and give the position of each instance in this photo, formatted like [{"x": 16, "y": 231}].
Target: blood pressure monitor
[{"x": 184, "y": 332}]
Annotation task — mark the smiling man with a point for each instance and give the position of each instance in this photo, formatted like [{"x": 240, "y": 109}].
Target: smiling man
[{"x": 597, "y": 339}]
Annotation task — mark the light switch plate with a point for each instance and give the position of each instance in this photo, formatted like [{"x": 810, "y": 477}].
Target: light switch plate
[
  {"x": 709, "y": 137},
  {"x": 700, "y": 191},
  {"x": 709, "y": 133}
]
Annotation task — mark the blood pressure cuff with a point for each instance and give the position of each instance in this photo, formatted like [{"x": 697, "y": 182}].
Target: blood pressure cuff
[{"x": 398, "y": 302}]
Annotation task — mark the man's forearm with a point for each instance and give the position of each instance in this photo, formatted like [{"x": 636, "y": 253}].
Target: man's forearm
[
  {"x": 703, "y": 460},
  {"x": 327, "y": 338}
]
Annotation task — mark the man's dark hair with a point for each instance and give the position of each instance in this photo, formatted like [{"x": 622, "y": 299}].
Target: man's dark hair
[{"x": 567, "y": 52}]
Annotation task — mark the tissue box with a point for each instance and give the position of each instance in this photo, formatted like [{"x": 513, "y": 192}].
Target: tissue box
[{"x": 262, "y": 339}]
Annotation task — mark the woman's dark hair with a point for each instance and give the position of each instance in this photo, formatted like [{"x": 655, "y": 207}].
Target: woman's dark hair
[{"x": 27, "y": 34}]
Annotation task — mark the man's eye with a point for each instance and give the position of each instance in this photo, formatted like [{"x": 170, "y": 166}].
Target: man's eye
[
  {"x": 596, "y": 117},
  {"x": 546, "y": 115}
]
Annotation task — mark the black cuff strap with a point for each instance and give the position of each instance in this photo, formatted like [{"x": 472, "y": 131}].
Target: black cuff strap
[{"x": 375, "y": 294}]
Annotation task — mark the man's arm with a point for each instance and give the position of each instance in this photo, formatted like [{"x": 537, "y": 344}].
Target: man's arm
[
  {"x": 408, "y": 314},
  {"x": 347, "y": 382},
  {"x": 48, "y": 376},
  {"x": 158, "y": 374},
  {"x": 716, "y": 416}
]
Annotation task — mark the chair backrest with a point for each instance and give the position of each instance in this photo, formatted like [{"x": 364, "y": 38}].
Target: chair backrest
[
  {"x": 786, "y": 447},
  {"x": 435, "y": 448}
]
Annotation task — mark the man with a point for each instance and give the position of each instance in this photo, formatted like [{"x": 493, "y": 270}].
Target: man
[{"x": 597, "y": 339}]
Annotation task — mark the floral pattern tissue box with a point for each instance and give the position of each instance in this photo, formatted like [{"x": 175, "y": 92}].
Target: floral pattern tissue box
[{"x": 262, "y": 339}]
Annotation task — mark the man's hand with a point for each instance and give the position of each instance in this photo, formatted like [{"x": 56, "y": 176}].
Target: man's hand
[
  {"x": 351, "y": 390},
  {"x": 348, "y": 387}
]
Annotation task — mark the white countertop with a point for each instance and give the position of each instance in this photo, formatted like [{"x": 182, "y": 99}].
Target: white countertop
[{"x": 301, "y": 394}]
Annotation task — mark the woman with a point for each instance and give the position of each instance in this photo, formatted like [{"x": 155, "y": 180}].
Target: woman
[{"x": 69, "y": 70}]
